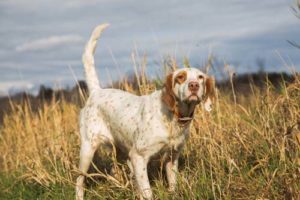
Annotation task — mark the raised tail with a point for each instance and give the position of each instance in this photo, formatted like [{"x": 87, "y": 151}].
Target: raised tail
[{"x": 88, "y": 58}]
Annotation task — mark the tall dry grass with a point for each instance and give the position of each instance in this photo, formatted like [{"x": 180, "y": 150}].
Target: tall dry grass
[{"x": 247, "y": 148}]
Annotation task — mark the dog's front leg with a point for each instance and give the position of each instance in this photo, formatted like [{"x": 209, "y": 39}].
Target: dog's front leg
[
  {"x": 139, "y": 164},
  {"x": 172, "y": 170}
]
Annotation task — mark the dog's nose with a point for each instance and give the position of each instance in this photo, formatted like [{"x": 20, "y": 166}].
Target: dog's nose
[{"x": 193, "y": 86}]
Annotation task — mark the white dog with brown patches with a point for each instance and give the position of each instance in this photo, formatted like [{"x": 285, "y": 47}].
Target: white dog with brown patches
[{"x": 142, "y": 126}]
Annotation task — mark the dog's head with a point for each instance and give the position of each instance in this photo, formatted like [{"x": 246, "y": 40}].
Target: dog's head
[{"x": 188, "y": 85}]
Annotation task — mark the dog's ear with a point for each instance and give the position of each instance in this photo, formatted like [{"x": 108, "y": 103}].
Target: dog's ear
[
  {"x": 209, "y": 93},
  {"x": 167, "y": 95}
]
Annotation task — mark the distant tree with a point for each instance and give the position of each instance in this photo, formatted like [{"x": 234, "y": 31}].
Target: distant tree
[
  {"x": 45, "y": 93},
  {"x": 296, "y": 11}
]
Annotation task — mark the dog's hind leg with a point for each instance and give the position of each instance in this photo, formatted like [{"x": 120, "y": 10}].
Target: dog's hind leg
[
  {"x": 86, "y": 155},
  {"x": 93, "y": 132}
]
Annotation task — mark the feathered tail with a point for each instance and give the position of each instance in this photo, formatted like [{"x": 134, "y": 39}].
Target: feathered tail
[{"x": 88, "y": 58}]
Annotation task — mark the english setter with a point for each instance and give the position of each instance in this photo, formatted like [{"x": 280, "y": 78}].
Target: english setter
[{"x": 142, "y": 126}]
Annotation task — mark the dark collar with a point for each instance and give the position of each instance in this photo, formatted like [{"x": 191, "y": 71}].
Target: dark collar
[{"x": 183, "y": 121}]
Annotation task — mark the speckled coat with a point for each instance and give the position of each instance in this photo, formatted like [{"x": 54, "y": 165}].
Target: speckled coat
[{"x": 141, "y": 126}]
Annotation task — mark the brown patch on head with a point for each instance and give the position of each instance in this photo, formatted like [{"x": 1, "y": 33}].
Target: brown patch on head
[
  {"x": 181, "y": 77},
  {"x": 168, "y": 95}
]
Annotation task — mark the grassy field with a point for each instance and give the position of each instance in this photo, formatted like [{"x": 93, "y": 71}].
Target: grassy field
[{"x": 247, "y": 148}]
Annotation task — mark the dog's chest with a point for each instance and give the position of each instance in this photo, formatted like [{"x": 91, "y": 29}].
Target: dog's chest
[
  {"x": 171, "y": 139},
  {"x": 177, "y": 137},
  {"x": 175, "y": 143}
]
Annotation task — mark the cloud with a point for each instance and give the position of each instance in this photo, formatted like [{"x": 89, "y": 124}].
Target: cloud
[
  {"x": 8, "y": 87},
  {"x": 49, "y": 42},
  {"x": 238, "y": 31}
]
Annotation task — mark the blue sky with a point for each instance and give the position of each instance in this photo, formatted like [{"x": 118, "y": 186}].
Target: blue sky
[{"x": 41, "y": 40}]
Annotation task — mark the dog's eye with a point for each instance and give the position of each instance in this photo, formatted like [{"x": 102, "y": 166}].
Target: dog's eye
[
  {"x": 180, "y": 77},
  {"x": 200, "y": 76}
]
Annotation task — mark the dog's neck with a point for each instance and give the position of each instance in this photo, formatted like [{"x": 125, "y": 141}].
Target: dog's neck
[
  {"x": 182, "y": 112},
  {"x": 186, "y": 109}
]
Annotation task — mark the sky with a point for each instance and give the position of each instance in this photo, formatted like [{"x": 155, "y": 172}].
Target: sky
[{"x": 41, "y": 41}]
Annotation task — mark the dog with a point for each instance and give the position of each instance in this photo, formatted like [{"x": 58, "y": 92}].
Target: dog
[{"x": 142, "y": 126}]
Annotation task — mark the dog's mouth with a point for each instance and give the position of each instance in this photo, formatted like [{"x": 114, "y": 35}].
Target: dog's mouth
[{"x": 193, "y": 97}]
